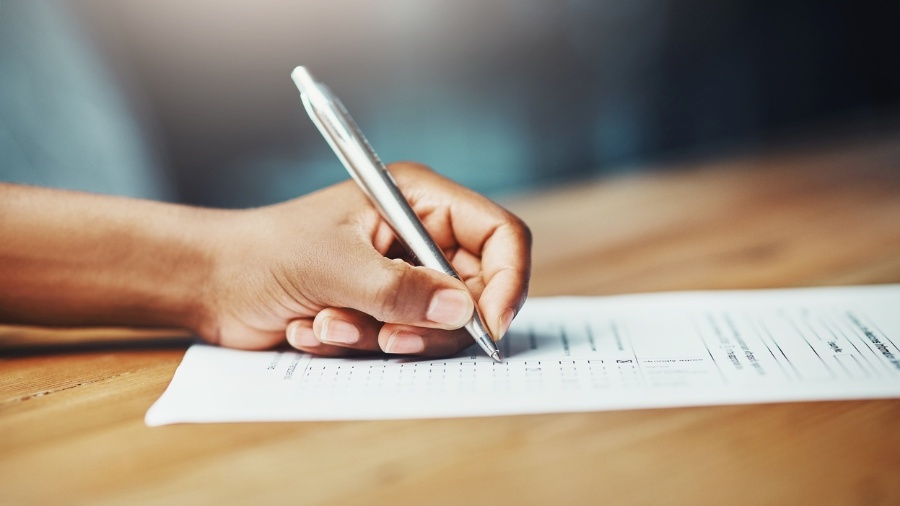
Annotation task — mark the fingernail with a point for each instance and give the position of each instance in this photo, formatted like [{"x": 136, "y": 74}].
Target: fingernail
[
  {"x": 506, "y": 320},
  {"x": 339, "y": 331},
  {"x": 302, "y": 336},
  {"x": 405, "y": 342},
  {"x": 450, "y": 307}
]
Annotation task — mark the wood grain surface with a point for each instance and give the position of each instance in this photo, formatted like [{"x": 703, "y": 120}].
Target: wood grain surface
[{"x": 72, "y": 403}]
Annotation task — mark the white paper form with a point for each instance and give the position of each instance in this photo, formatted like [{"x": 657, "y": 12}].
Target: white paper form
[{"x": 578, "y": 354}]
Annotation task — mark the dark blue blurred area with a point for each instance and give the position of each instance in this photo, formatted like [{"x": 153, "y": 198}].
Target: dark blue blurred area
[{"x": 503, "y": 96}]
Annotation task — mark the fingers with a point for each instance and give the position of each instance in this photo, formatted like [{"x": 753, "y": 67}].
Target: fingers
[
  {"x": 395, "y": 291},
  {"x": 494, "y": 245},
  {"x": 506, "y": 268},
  {"x": 409, "y": 340},
  {"x": 360, "y": 288},
  {"x": 300, "y": 335},
  {"x": 335, "y": 332},
  {"x": 340, "y": 332}
]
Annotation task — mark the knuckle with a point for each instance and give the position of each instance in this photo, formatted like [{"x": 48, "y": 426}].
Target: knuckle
[
  {"x": 388, "y": 297},
  {"x": 520, "y": 229},
  {"x": 411, "y": 167},
  {"x": 409, "y": 171},
  {"x": 525, "y": 231}
]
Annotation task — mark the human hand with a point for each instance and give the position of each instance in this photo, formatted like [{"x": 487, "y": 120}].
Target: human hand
[{"x": 322, "y": 271}]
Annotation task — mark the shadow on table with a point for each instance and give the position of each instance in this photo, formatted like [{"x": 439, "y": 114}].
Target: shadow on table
[{"x": 28, "y": 341}]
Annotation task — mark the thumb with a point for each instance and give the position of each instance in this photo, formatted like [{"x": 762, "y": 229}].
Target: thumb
[{"x": 394, "y": 291}]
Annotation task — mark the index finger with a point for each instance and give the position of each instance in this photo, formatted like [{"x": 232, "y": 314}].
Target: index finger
[{"x": 506, "y": 268}]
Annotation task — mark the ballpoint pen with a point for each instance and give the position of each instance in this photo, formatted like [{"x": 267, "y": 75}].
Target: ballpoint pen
[{"x": 352, "y": 148}]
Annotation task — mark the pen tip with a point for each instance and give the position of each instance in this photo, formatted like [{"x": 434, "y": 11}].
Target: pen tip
[{"x": 496, "y": 356}]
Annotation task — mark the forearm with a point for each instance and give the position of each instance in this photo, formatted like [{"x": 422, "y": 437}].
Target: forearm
[
  {"x": 312, "y": 270},
  {"x": 69, "y": 258}
]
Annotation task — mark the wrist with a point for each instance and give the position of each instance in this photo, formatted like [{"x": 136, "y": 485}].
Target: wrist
[
  {"x": 194, "y": 300},
  {"x": 161, "y": 258}
]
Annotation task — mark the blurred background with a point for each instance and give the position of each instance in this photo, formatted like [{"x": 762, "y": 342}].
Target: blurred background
[{"x": 191, "y": 100}]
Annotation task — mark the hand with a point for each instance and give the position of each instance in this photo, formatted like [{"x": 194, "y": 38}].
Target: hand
[{"x": 323, "y": 271}]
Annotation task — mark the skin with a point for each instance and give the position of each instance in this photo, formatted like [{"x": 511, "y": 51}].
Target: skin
[{"x": 322, "y": 271}]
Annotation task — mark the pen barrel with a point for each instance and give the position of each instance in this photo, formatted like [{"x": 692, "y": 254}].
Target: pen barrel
[
  {"x": 356, "y": 154},
  {"x": 388, "y": 199},
  {"x": 375, "y": 180},
  {"x": 384, "y": 193},
  {"x": 386, "y": 196},
  {"x": 360, "y": 160}
]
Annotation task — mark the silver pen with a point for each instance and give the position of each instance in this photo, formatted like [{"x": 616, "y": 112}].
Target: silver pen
[{"x": 354, "y": 151}]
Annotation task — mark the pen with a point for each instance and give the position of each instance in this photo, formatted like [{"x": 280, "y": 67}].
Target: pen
[{"x": 352, "y": 148}]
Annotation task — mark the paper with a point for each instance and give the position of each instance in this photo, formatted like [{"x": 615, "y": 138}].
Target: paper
[{"x": 578, "y": 354}]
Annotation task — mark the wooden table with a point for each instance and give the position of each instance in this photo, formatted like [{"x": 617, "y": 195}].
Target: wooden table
[{"x": 71, "y": 428}]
